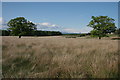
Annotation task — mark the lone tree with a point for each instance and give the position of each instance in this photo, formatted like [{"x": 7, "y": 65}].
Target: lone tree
[
  {"x": 21, "y": 27},
  {"x": 102, "y": 25}
]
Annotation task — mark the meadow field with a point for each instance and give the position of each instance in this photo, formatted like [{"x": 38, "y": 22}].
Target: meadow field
[{"x": 59, "y": 57}]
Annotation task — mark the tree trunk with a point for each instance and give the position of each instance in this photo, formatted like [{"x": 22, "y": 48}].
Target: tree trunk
[
  {"x": 99, "y": 37},
  {"x": 19, "y": 36}
]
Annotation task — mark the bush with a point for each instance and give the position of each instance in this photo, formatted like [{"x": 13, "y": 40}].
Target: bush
[{"x": 5, "y": 32}]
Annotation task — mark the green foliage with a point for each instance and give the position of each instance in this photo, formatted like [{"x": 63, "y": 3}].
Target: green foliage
[
  {"x": 47, "y": 33},
  {"x": 84, "y": 34},
  {"x": 21, "y": 26},
  {"x": 102, "y": 25},
  {"x": 35, "y": 33},
  {"x": 5, "y": 32}
]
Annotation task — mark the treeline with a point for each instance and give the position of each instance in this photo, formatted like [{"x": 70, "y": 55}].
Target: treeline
[
  {"x": 47, "y": 33},
  {"x": 35, "y": 33},
  {"x": 78, "y": 35},
  {"x": 50, "y": 33},
  {"x": 4, "y": 33}
]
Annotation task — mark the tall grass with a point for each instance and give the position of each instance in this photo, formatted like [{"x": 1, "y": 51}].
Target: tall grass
[{"x": 59, "y": 57}]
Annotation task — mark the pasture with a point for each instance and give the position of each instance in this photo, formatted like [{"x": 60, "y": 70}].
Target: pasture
[{"x": 59, "y": 57}]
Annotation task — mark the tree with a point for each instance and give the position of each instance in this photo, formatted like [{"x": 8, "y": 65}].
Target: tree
[
  {"x": 21, "y": 27},
  {"x": 102, "y": 25}
]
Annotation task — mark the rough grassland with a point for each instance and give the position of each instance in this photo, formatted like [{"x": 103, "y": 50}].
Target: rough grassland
[{"x": 59, "y": 57}]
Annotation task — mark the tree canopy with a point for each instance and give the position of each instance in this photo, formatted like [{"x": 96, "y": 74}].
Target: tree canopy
[
  {"x": 102, "y": 25},
  {"x": 21, "y": 26}
]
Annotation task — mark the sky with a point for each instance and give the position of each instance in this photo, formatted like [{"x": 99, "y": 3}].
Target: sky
[
  {"x": 60, "y": 0},
  {"x": 70, "y": 17}
]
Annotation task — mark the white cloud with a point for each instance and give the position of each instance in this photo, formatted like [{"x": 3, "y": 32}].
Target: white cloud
[
  {"x": 85, "y": 29},
  {"x": 82, "y": 30},
  {"x": 1, "y": 19},
  {"x": 3, "y": 23},
  {"x": 70, "y": 30},
  {"x": 47, "y": 26}
]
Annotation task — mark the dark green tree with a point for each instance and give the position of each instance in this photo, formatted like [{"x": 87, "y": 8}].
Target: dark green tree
[
  {"x": 102, "y": 25},
  {"x": 21, "y": 27},
  {"x": 5, "y": 32}
]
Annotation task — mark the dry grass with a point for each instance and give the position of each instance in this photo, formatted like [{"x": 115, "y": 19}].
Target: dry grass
[
  {"x": 59, "y": 57},
  {"x": 0, "y": 57}
]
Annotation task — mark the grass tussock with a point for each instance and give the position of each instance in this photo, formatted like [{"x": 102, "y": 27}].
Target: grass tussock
[{"x": 59, "y": 57}]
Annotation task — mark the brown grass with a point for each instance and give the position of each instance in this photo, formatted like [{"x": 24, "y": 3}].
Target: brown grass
[{"x": 59, "y": 57}]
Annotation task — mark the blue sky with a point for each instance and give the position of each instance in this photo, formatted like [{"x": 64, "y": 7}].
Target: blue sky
[
  {"x": 60, "y": 0},
  {"x": 61, "y": 16}
]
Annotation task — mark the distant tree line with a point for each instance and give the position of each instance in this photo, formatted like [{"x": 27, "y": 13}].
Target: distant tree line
[
  {"x": 47, "y": 33},
  {"x": 35, "y": 33},
  {"x": 5, "y": 32},
  {"x": 85, "y": 34}
]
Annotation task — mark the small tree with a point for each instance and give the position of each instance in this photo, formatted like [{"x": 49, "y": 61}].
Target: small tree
[
  {"x": 21, "y": 26},
  {"x": 102, "y": 25}
]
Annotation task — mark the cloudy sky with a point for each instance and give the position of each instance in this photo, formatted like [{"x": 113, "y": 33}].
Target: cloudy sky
[{"x": 72, "y": 17}]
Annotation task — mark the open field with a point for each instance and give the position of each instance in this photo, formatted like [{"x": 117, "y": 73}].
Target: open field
[{"x": 59, "y": 57}]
